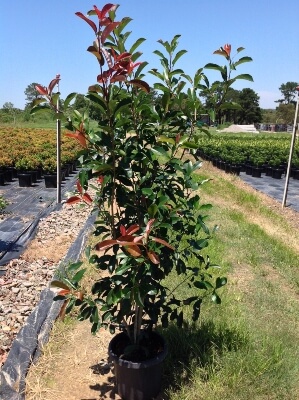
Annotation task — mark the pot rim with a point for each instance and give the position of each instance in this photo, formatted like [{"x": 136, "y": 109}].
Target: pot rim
[{"x": 137, "y": 365}]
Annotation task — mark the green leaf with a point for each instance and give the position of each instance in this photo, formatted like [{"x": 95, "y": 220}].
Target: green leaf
[
  {"x": 39, "y": 108},
  {"x": 147, "y": 191},
  {"x": 96, "y": 98},
  {"x": 75, "y": 266},
  {"x": 215, "y": 298},
  {"x": 189, "y": 145},
  {"x": 203, "y": 285},
  {"x": 242, "y": 60},
  {"x": 79, "y": 275},
  {"x": 68, "y": 99},
  {"x": 152, "y": 210},
  {"x": 136, "y": 44},
  {"x": 160, "y": 151},
  {"x": 137, "y": 296},
  {"x": 59, "y": 284},
  {"x": 178, "y": 55},
  {"x": 247, "y": 77},
  {"x": 121, "y": 104},
  {"x": 220, "y": 282},
  {"x": 165, "y": 139},
  {"x": 214, "y": 66}
]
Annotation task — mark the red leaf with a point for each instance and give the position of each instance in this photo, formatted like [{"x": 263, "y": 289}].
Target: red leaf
[
  {"x": 118, "y": 78},
  {"x": 80, "y": 295},
  {"x": 108, "y": 7},
  {"x": 86, "y": 198},
  {"x": 79, "y": 187},
  {"x": 158, "y": 240},
  {"x": 108, "y": 57},
  {"x": 122, "y": 56},
  {"x": 106, "y": 32},
  {"x": 135, "y": 251},
  {"x": 138, "y": 239},
  {"x": 73, "y": 200},
  {"x": 149, "y": 226},
  {"x": 132, "y": 229},
  {"x": 63, "y": 292},
  {"x": 153, "y": 257},
  {"x": 122, "y": 230},
  {"x": 78, "y": 136},
  {"x": 63, "y": 309},
  {"x": 132, "y": 66},
  {"x": 105, "y": 244},
  {"x": 89, "y": 21},
  {"x": 52, "y": 84},
  {"x": 141, "y": 84},
  {"x": 41, "y": 90}
]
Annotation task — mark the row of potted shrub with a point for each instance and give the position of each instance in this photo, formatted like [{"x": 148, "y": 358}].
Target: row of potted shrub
[
  {"x": 253, "y": 155},
  {"x": 33, "y": 150}
]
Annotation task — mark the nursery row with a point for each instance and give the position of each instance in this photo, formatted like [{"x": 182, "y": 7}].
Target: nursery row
[
  {"x": 33, "y": 149},
  {"x": 255, "y": 155}
]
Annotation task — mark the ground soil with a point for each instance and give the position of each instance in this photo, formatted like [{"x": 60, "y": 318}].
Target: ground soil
[{"x": 80, "y": 368}]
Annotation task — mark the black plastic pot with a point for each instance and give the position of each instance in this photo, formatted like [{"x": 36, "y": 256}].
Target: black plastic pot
[
  {"x": 269, "y": 171},
  {"x": 235, "y": 169},
  {"x": 33, "y": 175},
  {"x": 2, "y": 178},
  {"x": 50, "y": 180},
  {"x": 276, "y": 173},
  {"x": 248, "y": 169},
  {"x": 25, "y": 179},
  {"x": 137, "y": 380},
  {"x": 9, "y": 175},
  {"x": 256, "y": 172},
  {"x": 295, "y": 174}
]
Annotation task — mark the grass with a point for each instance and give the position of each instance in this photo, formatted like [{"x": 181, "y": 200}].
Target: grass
[{"x": 247, "y": 347}]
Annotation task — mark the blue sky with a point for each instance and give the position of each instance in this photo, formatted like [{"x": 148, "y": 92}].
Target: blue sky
[{"x": 42, "y": 38}]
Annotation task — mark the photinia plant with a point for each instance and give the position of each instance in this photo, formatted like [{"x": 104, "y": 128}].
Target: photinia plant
[
  {"x": 151, "y": 223},
  {"x": 215, "y": 93}
]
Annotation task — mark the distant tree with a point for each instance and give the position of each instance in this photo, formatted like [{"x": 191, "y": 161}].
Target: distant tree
[
  {"x": 285, "y": 113},
  {"x": 9, "y": 112},
  {"x": 31, "y": 94},
  {"x": 288, "y": 90},
  {"x": 250, "y": 111},
  {"x": 269, "y": 116}
]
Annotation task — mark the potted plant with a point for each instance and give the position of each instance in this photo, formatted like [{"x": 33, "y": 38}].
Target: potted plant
[
  {"x": 49, "y": 167},
  {"x": 151, "y": 223},
  {"x": 23, "y": 167}
]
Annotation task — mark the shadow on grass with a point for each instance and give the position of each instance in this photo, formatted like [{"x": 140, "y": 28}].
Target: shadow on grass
[{"x": 197, "y": 347}]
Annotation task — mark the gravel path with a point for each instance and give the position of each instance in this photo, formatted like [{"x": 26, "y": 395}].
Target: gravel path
[{"x": 27, "y": 276}]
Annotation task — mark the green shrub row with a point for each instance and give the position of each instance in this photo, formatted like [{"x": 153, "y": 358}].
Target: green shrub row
[{"x": 257, "y": 150}]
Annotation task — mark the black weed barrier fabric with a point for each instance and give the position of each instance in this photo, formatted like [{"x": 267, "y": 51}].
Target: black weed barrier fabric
[{"x": 35, "y": 332}]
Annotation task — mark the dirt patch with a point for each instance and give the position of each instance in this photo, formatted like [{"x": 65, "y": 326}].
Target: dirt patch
[
  {"x": 89, "y": 375},
  {"x": 54, "y": 249}
]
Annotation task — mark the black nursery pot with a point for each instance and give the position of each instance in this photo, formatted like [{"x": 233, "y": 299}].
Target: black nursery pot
[
  {"x": 25, "y": 179},
  {"x": 137, "y": 380},
  {"x": 256, "y": 172},
  {"x": 2, "y": 178},
  {"x": 50, "y": 180},
  {"x": 277, "y": 173}
]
